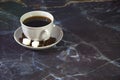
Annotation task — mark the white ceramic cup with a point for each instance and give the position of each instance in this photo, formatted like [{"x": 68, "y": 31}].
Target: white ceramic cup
[{"x": 37, "y": 33}]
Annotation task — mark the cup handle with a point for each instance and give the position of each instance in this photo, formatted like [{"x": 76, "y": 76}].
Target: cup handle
[{"x": 45, "y": 35}]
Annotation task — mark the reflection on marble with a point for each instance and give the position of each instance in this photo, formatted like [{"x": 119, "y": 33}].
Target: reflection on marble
[{"x": 88, "y": 51}]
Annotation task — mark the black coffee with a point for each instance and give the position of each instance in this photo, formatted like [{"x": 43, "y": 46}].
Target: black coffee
[{"x": 36, "y": 21}]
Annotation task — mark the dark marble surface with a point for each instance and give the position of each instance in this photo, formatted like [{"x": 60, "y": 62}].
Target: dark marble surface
[{"x": 90, "y": 49}]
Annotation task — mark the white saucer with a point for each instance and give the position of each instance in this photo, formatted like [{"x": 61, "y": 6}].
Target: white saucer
[{"x": 56, "y": 33}]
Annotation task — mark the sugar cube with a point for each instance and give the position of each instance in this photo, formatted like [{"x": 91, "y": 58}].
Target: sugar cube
[
  {"x": 35, "y": 43},
  {"x": 26, "y": 41}
]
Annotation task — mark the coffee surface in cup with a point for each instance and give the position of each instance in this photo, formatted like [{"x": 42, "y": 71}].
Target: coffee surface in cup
[{"x": 37, "y": 21}]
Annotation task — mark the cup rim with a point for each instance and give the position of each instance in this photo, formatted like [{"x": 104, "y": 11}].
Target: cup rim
[{"x": 33, "y": 26}]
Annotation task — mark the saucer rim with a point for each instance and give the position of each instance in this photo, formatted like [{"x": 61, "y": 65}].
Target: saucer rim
[{"x": 39, "y": 48}]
